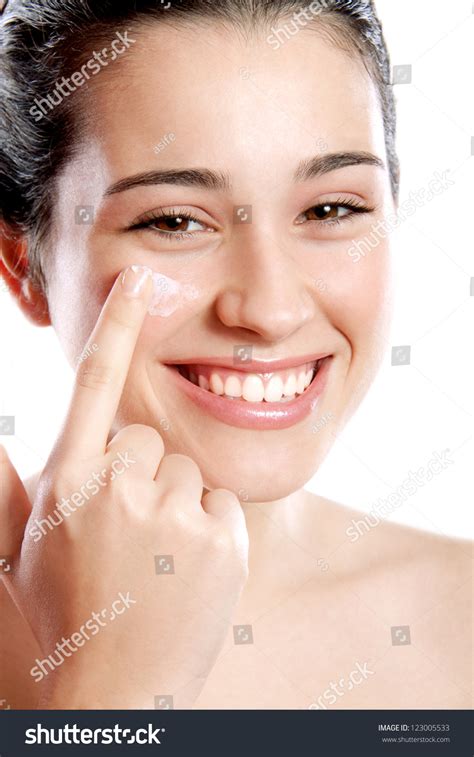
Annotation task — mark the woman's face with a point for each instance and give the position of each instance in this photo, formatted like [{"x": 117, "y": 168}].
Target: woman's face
[{"x": 285, "y": 283}]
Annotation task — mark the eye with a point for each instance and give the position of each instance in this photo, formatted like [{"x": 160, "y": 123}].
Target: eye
[
  {"x": 172, "y": 223},
  {"x": 332, "y": 212}
]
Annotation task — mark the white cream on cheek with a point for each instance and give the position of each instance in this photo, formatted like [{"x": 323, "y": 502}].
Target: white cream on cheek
[{"x": 169, "y": 295}]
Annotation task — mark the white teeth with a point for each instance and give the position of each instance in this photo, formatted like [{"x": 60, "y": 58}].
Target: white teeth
[
  {"x": 300, "y": 383},
  {"x": 216, "y": 384},
  {"x": 290, "y": 387},
  {"x": 274, "y": 389},
  {"x": 233, "y": 387},
  {"x": 253, "y": 389}
]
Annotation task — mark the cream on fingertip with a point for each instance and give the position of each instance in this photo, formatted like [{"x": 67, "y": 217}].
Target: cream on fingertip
[{"x": 134, "y": 279}]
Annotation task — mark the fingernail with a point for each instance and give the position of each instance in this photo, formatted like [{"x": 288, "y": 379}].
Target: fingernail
[{"x": 134, "y": 280}]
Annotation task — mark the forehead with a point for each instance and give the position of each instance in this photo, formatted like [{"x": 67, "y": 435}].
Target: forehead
[{"x": 228, "y": 99}]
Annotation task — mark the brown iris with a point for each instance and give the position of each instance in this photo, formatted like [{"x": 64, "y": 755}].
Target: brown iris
[
  {"x": 172, "y": 223},
  {"x": 322, "y": 212}
]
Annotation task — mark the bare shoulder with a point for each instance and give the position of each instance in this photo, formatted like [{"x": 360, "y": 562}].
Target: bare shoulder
[
  {"x": 369, "y": 543},
  {"x": 416, "y": 584}
]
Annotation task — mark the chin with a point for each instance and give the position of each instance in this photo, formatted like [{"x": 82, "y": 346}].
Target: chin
[
  {"x": 256, "y": 491},
  {"x": 265, "y": 481}
]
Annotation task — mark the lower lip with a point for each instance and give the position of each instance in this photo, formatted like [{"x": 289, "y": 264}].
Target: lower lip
[{"x": 257, "y": 415}]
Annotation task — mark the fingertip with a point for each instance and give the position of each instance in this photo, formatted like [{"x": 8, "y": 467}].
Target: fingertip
[
  {"x": 220, "y": 503},
  {"x": 135, "y": 281}
]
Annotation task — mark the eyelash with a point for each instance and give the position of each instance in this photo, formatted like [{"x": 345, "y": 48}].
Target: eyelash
[
  {"x": 157, "y": 215},
  {"x": 149, "y": 219},
  {"x": 342, "y": 202}
]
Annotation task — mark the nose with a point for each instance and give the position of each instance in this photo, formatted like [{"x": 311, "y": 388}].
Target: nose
[{"x": 266, "y": 292}]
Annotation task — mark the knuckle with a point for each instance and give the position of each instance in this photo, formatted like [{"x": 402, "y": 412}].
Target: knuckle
[
  {"x": 142, "y": 428},
  {"x": 183, "y": 461},
  {"x": 139, "y": 437},
  {"x": 227, "y": 498},
  {"x": 130, "y": 504},
  {"x": 184, "y": 522},
  {"x": 130, "y": 498},
  {"x": 148, "y": 436},
  {"x": 225, "y": 538},
  {"x": 90, "y": 376},
  {"x": 118, "y": 317}
]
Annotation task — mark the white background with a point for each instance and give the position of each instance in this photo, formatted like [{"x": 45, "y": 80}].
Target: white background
[{"x": 412, "y": 411}]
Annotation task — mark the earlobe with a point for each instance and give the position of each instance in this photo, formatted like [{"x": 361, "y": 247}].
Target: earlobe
[
  {"x": 34, "y": 304},
  {"x": 14, "y": 271}
]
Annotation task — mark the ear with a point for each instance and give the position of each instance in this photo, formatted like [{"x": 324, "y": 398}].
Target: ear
[{"x": 14, "y": 269}]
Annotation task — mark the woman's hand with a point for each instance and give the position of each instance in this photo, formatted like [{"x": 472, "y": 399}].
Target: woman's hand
[{"x": 127, "y": 575}]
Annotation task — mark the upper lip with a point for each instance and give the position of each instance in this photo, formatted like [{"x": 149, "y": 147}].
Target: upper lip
[{"x": 253, "y": 365}]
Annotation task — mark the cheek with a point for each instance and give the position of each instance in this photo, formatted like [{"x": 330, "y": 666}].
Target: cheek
[
  {"x": 75, "y": 302},
  {"x": 358, "y": 296},
  {"x": 364, "y": 320},
  {"x": 369, "y": 295}
]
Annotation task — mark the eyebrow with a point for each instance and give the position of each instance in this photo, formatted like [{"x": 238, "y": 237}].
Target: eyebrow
[
  {"x": 321, "y": 164},
  {"x": 188, "y": 177},
  {"x": 205, "y": 178}
]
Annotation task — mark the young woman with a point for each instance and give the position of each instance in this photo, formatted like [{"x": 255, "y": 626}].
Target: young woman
[{"x": 183, "y": 185}]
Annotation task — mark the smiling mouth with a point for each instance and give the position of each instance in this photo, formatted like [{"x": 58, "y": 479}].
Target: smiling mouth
[{"x": 242, "y": 386}]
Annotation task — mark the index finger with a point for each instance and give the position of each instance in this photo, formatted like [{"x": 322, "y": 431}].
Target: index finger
[{"x": 101, "y": 375}]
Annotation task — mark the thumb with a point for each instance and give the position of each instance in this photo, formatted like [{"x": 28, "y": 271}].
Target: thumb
[{"x": 15, "y": 510}]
